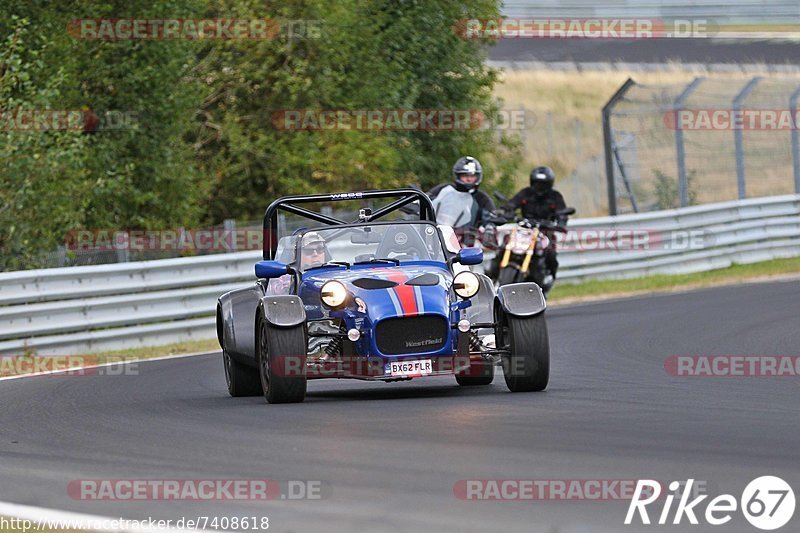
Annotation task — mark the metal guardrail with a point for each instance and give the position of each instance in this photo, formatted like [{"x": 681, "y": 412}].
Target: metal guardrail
[
  {"x": 690, "y": 239},
  {"x": 110, "y": 307},
  {"x": 730, "y": 11}
]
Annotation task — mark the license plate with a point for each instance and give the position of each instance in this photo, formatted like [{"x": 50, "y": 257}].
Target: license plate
[{"x": 411, "y": 368}]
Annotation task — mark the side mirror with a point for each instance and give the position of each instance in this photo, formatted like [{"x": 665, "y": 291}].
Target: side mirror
[
  {"x": 270, "y": 269},
  {"x": 469, "y": 256},
  {"x": 500, "y": 196}
]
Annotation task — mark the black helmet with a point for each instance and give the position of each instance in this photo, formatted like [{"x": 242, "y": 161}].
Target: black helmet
[
  {"x": 542, "y": 179},
  {"x": 467, "y": 166}
]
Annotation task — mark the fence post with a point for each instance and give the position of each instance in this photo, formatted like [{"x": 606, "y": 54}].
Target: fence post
[
  {"x": 123, "y": 249},
  {"x": 680, "y": 150},
  {"x": 738, "y": 135},
  {"x": 608, "y": 141},
  {"x": 795, "y": 138},
  {"x": 523, "y": 130},
  {"x": 229, "y": 229}
]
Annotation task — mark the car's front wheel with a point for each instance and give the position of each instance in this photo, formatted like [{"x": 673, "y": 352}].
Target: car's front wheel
[
  {"x": 479, "y": 372},
  {"x": 527, "y": 365},
  {"x": 242, "y": 380},
  {"x": 281, "y": 357}
]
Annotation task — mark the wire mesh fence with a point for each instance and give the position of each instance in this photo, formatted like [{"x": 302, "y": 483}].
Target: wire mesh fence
[
  {"x": 707, "y": 141},
  {"x": 570, "y": 146}
]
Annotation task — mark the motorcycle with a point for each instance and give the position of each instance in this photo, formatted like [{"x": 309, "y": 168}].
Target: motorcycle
[{"x": 521, "y": 256}]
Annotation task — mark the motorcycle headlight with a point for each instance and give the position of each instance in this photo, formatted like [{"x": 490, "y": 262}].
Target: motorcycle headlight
[
  {"x": 333, "y": 294},
  {"x": 466, "y": 284}
]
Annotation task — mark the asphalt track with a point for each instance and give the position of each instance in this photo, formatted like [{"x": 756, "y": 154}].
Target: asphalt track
[
  {"x": 647, "y": 51},
  {"x": 389, "y": 454}
]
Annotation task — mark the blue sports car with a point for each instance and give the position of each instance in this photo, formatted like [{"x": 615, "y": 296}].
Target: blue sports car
[{"x": 379, "y": 298}]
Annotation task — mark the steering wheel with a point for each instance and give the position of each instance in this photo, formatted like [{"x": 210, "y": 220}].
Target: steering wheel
[{"x": 404, "y": 241}]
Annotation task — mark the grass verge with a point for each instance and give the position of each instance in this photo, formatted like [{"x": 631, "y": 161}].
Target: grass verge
[
  {"x": 660, "y": 283},
  {"x": 178, "y": 348}
]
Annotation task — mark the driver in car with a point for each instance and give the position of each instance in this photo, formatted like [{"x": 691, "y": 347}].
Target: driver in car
[{"x": 313, "y": 251}]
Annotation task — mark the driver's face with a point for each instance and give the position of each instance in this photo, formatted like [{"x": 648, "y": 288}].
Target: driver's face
[
  {"x": 314, "y": 253},
  {"x": 469, "y": 179}
]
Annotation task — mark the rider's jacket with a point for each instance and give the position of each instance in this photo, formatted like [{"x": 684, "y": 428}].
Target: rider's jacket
[
  {"x": 539, "y": 207},
  {"x": 472, "y": 216}
]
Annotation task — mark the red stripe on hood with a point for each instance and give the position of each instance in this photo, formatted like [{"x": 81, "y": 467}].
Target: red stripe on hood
[{"x": 405, "y": 293}]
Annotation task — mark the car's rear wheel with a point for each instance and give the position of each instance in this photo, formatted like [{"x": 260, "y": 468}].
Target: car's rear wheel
[
  {"x": 480, "y": 372},
  {"x": 281, "y": 356},
  {"x": 527, "y": 365},
  {"x": 241, "y": 379}
]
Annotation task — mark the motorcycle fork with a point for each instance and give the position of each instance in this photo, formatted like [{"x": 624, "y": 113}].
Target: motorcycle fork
[
  {"x": 507, "y": 252},
  {"x": 526, "y": 263}
]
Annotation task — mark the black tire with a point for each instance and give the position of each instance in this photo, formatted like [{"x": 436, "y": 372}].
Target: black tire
[
  {"x": 492, "y": 267},
  {"x": 241, "y": 379},
  {"x": 479, "y": 373},
  {"x": 527, "y": 367},
  {"x": 507, "y": 275},
  {"x": 538, "y": 274},
  {"x": 281, "y": 358}
]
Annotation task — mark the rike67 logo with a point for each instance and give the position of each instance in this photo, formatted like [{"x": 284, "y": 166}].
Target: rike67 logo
[{"x": 767, "y": 503}]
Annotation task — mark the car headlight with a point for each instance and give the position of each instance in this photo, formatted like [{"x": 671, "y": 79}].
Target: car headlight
[
  {"x": 466, "y": 284},
  {"x": 333, "y": 294}
]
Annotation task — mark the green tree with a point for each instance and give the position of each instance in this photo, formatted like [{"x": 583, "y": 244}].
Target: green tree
[
  {"x": 204, "y": 146},
  {"x": 371, "y": 55},
  {"x": 140, "y": 174}
]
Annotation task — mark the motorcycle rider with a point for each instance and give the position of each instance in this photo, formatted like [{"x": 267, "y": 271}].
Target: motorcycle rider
[
  {"x": 467, "y": 177},
  {"x": 540, "y": 201}
]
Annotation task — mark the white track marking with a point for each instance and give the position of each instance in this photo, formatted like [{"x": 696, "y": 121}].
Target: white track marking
[{"x": 40, "y": 516}]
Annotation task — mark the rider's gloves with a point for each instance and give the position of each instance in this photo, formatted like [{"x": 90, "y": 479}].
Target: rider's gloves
[{"x": 489, "y": 235}]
